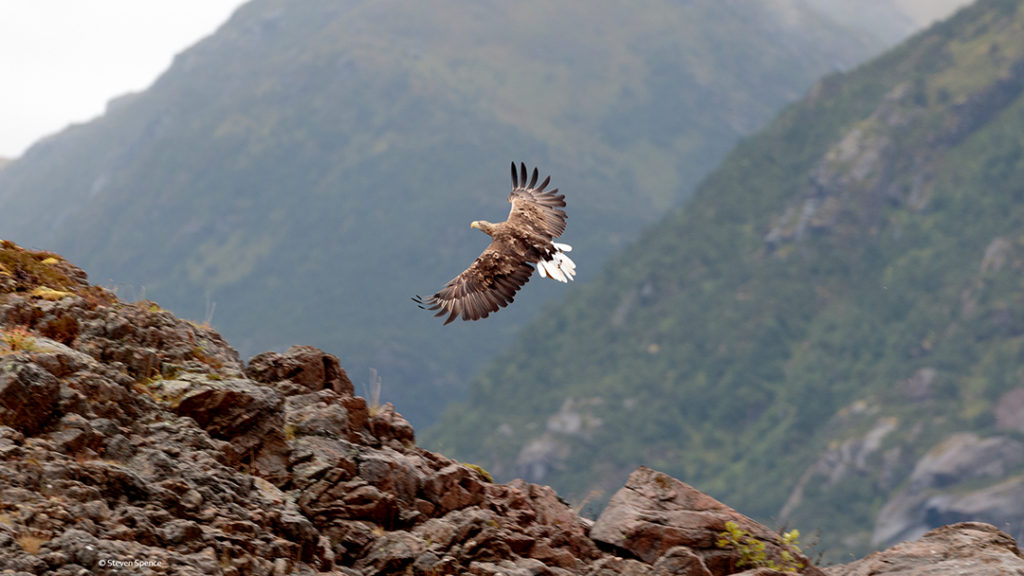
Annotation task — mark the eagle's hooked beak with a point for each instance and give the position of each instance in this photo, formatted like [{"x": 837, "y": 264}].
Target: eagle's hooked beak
[{"x": 475, "y": 224}]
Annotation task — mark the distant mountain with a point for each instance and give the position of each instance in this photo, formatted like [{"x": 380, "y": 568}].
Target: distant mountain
[
  {"x": 300, "y": 174},
  {"x": 829, "y": 334}
]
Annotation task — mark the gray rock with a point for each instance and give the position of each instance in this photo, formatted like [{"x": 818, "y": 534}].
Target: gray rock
[
  {"x": 966, "y": 456},
  {"x": 521, "y": 567},
  {"x": 928, "y": 501},
  {"x": 246, "y": 414},
  {"x": 453, "y": 487},
  {"x": 300, "y": 369},
  {"x": 392, "y": 552},
  {"x": 1010, "y": 410},
  {"x": 680, "y": 561},
  {"x": 615, "y": 566},
  {"x": 316, "y": 415},
  {"x": 28, "y": 394},
  {"x": 968, "y": 548},
  {"x": 389, "y": 427}
]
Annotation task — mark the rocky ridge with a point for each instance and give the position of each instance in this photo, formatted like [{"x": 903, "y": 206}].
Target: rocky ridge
[{"x": 135, "y": 442}]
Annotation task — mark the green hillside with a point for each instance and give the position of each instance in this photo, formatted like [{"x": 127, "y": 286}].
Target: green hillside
[
  {"x": 300, "y": 174},
  {"x": 839, "y": 297}
]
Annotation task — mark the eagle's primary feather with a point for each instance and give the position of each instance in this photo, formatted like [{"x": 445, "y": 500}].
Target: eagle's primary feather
[{"x": 524, "y": 239}]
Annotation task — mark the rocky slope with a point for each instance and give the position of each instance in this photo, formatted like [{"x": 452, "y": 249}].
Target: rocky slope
[{"x": 132, "y": 442}]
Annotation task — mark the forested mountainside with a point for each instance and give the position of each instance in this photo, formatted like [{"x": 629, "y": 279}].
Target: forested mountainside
[
  {"x": 301, "y": 173},
  {"x": 829, "y": 334}
]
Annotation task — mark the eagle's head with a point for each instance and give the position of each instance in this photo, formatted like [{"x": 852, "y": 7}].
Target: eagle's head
[{"x": 483, "y": 226}]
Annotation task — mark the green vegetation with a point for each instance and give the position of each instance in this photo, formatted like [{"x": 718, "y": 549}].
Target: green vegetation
[
  {"x": 480, "y": 471},
  {"x": 315, "y": 164},
  {"x": 870, "y": 235},
  {"x": 752, "y": 551}
]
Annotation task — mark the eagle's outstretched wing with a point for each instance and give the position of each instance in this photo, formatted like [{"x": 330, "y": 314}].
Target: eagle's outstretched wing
[
  {"x": 489, "y": 283},
  {"x": 534, "y": 208}
]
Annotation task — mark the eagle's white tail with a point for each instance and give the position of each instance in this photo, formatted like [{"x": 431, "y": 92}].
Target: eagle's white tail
[{"x": 559, "y": 266}]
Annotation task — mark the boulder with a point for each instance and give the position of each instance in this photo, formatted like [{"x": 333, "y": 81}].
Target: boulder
[
  {"x": 301, "y": 369},
  {"x": 655, "y": 513},
  {"x": 967, "y": 548},
  {"x": 28, "y": 394}
]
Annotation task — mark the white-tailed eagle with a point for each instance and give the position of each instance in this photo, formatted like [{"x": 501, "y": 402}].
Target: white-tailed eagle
[{"x": 523, "y": 240}]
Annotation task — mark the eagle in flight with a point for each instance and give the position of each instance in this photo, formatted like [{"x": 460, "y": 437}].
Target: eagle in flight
[{"x": 525, "y": 239}]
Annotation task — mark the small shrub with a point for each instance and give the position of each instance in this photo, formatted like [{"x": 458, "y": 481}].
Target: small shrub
[
  {"x": 480, "y": 470},
  {"x": 752, "y": 551},
  {"x": 17, "y": 339}
]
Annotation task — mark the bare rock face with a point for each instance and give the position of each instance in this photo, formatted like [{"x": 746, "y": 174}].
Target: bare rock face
[
  {"x": 662, "y": 520},
  {"x": 245, "y": 414},
  {"x": 968, "y": 548},
  {"x": 966, "y": 460},
  {"x": 133, "y": 441}
]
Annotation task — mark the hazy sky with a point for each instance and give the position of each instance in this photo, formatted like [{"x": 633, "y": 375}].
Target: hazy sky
[{"x": 61, "y": 60}]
